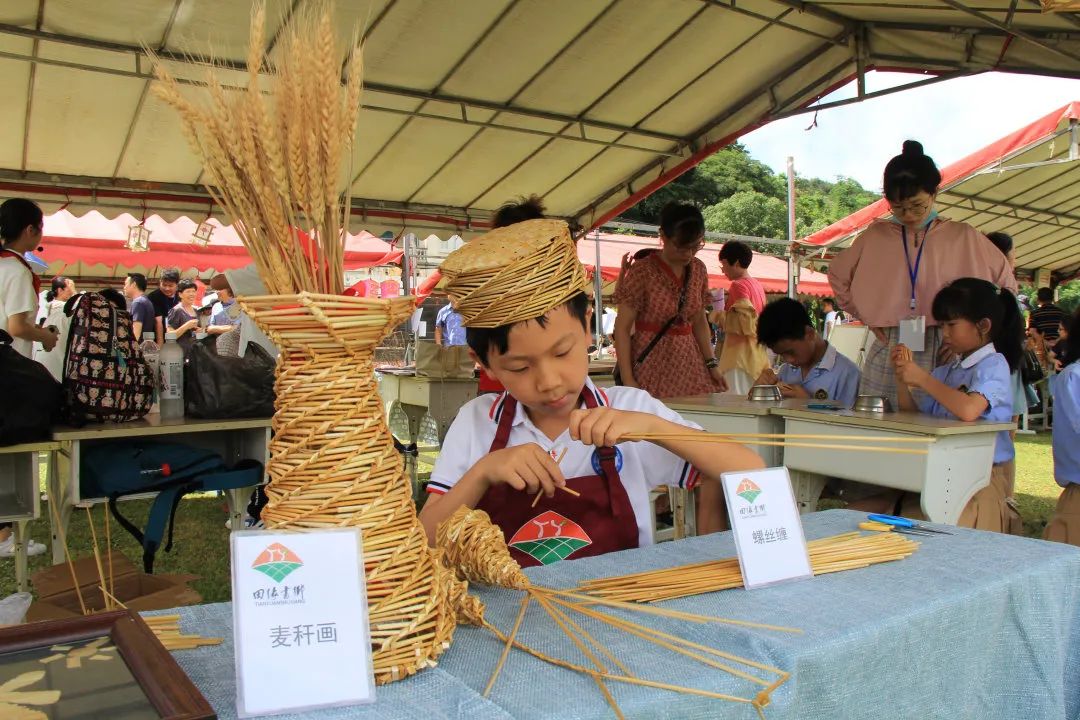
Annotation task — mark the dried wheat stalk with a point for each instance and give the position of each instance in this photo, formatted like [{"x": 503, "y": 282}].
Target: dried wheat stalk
[{"x": 273, "y": 149}]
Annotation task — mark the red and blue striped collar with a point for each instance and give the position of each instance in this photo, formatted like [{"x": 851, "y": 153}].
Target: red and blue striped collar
[{"x": 499, "y": 404}]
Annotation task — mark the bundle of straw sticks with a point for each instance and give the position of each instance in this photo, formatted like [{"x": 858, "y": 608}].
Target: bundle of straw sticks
[
  {"x": 476, "y": 550},
  {"x": 848, "y": 551}
]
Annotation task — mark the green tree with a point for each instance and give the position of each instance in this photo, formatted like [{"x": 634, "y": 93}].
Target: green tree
[{"x": 748, "y": 213}]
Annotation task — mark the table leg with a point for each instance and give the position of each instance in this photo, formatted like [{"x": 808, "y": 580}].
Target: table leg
[
  {"x": 238, "y": 500},
  {"x": 807, "y": 488},
  {"x": 21, "y": 539},
  {"x": 59, "y": 481},
  {"x": 415, "y": 413}
]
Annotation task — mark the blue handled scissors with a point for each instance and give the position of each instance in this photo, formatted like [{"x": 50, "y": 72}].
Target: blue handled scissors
[{"x": 900, "y": 522}]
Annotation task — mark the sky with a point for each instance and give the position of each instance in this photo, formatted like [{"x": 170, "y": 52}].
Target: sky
[{"x": 951, "y": 119}]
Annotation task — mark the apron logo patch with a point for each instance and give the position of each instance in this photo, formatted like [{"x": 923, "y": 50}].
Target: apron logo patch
[
  {"x": 550, "y": 537},
  {"x": 596, "y": 461},
  {"x": 821, "y": 394}
]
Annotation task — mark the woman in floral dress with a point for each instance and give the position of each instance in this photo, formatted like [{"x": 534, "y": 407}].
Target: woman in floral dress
[{"x": 682, "y": 362}]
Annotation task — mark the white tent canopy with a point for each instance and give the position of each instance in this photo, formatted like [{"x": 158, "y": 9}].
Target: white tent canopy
[{"x": 591, "y": 104}]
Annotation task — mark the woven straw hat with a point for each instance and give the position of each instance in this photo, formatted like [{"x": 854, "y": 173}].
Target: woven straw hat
[{"x": 514, "y": 273}]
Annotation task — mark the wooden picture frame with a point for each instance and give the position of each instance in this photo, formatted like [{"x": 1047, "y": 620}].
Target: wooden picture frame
[{"x": 166, "y": 686}]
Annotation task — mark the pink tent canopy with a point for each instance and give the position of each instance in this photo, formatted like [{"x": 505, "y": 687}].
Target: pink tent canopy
[
  {"x": 95, "y": 245},
  {"x": 770, "y": 271}
]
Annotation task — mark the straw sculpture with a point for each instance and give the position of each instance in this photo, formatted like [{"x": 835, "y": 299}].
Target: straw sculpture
[
  {"x": 273, "y": 154},
  {"x": 847, "y": 551},
  {"x": 476, "y": 549},
  {"x": 514, "y": 273}
]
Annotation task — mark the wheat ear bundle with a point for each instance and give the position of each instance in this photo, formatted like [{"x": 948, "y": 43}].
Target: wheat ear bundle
[{"x": 273, "y": 150}]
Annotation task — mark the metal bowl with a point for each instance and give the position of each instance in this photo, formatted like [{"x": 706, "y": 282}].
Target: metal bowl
[
  {"x": 872, "y": 403},
  {"x": 765, "y": 393}
]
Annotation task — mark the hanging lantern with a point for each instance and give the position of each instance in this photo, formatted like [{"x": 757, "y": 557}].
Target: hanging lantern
[
  {"x": 138, "y": 238},
  {"x": 201, "y": 236}
]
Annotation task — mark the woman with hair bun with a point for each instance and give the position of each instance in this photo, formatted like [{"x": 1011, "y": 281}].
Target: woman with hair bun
[
  {"x": 662, "y": 298},
  {"x": 890, "y": 275},
  {"x": 60, "y": 291}
]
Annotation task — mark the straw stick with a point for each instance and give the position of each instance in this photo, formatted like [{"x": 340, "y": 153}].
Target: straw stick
[
  {"x": 97, "y": 555},
  {"x": 67, "y": 554},
  {"x": 717, "y": 438},
  {"x": 588, "y": 653},
  {"x": 811, "y": 436},
  {"x": 617, "y": 678},
  {"x": 108, "y": 544},
  {"x": 509, "y": 644},
  {"x": 575, "y": 493}
]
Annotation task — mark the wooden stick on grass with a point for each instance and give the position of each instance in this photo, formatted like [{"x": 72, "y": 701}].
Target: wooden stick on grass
[{"x": 67, "y": 553}]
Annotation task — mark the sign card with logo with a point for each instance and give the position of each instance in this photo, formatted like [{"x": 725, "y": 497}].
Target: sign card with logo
[
  {"x": 300, "y": 621},
  {"x": 768, "y": 531}
]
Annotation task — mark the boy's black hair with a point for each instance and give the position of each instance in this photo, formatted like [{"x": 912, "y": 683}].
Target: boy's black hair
[
  {"x": 783, "y": 319},
  {"x": 1002, "y": 241},
  {"x": 828, "y": 300},
  {"x": 973, "y": 300},
  {"x": 525, "y": 208},
  {"x": 1045, "y": 295},
  {"x": 737, "y": 253},
  {"x": 910, "y": 172},
  {"x": 482, "y": 340}
]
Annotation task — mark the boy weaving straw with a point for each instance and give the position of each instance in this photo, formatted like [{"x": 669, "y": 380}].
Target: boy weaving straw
[{"x": 544, "y": 458}]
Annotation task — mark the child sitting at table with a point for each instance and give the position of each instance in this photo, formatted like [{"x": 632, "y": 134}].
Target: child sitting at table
[
  {"x": 981, "y": 325},
  {"x": 521, "y": 294},
  {"x": 1064, "y": 526},
  {"x": 812, "y": 367}
]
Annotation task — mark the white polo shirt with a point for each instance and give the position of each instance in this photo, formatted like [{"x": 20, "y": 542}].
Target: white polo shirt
[{"x": 642, "y": 466}]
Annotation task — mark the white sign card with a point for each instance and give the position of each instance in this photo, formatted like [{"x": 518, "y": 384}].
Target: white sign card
[
  {"x": 768, "y": 531},
  {"x": 300, "y": 621}
]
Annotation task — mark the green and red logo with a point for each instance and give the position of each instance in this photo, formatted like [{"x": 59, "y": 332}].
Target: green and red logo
[
  {"x": 748, "y": 490},
  {"x": 550, "y": 537},
  {"x": 277, "y": 562}
]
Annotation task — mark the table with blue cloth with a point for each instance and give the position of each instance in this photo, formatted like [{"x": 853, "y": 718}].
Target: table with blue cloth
[{"x": 973, "y": 625}]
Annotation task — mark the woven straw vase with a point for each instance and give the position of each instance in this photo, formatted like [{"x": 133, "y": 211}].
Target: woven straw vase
[{"x": 333, "y": 464}]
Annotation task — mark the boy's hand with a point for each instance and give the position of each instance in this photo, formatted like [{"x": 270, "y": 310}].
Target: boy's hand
[
  {"x": 718, "y": 378},
  {"x": 523, "y": 467},
  {"x": 794, "y": 391},
  {"x": 604, "y": 426}
]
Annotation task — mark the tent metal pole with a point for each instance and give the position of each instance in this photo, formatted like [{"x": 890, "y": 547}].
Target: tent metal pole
[
  {"x": 793, "y": 268},
  {"x": 598, "y": 296}
]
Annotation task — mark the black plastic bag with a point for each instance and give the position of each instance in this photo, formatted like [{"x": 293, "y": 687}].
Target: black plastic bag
[
  {"x": 29, "y": 396},
  {"x": 218, "y": 386}
]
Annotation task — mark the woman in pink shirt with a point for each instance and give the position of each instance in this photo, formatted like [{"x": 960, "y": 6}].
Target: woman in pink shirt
[{"x": 889, "y": 276}]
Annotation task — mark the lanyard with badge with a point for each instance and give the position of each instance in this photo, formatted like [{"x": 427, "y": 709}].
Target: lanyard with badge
[{"x": 913, "y": 327}]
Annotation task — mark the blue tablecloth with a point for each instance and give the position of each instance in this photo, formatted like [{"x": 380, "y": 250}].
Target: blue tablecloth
[{"x": 976, "y": 625}]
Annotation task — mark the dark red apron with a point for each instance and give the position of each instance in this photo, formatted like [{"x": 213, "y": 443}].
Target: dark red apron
[{"x": 600, "y": 521}]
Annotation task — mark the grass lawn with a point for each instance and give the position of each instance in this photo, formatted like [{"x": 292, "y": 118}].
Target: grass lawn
[{"x": 200, "y": 540}]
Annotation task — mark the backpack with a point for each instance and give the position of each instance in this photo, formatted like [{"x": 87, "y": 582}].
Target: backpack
[
  {"x": 172, "y": 470},
  {"x": 31, "y": 396},
  {"x": 105, "y": 377}
]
